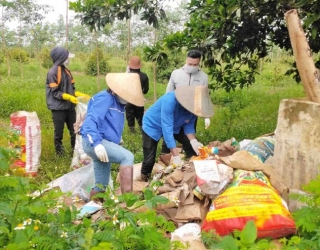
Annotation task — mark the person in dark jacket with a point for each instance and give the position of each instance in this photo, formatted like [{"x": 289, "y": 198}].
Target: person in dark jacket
[
  {"x": 134, "y": 112},
  {"x": 61, "y": 97}
]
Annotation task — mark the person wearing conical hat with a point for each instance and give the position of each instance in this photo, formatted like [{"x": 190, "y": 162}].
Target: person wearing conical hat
[
  {"x": 188, "y": 75},
  {"x": 165, "y": 118},
  {"x": 134, "y": 112},
  {"x": 103, "y": 126}
]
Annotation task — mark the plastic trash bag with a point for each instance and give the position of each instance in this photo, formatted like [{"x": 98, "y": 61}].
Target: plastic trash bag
[{"x": 79, "y": 182}]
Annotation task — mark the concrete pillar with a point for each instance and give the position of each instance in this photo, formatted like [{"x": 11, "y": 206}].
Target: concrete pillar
[{"x": 297, "y": 146}]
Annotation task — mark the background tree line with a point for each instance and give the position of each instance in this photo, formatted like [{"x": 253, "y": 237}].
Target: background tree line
[{"x": 234, "y": 36}]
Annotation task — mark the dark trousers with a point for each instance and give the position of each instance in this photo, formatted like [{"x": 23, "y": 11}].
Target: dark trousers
[
  {"x": 149, "y": 146},
  {"x": 59, "y": 118},
  {"x": 183, "y": 139},
  {"x": 134, "y": 112}
]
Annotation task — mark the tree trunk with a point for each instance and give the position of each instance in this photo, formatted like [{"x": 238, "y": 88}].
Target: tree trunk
[
  {"x": 21, "y": 68},
  {"x": 98, "y": 60},
  {"x": 129, "y": 40},
  {"x": 308, "y": 72}
]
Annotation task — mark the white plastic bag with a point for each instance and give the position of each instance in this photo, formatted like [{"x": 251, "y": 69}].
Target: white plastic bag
[
  {"x": 79, "y": 182},
  {"x": 80, "y": 158}
]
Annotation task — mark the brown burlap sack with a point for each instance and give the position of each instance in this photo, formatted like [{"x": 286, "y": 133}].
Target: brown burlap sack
[
  {"x": 169, "y": 214},
  {"x": 171, "y": 182},
  {"x": 172, "y": 196},
  {"x": 195, "y": 212},
  {"x": 165, "y": 188},
  {"x": 177, "y": 175},
  {"x": 138, "y": 186},
  {"x": 184, "y": 193}
]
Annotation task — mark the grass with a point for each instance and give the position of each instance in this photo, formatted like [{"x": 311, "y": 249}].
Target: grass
[{"x": 243, "y": 114}]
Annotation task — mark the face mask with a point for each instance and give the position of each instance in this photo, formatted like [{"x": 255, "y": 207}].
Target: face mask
[
  {"x": 66, "y": 62},
  {"x": 122, "y": 101},
  {"x": 191, "y": 69}
]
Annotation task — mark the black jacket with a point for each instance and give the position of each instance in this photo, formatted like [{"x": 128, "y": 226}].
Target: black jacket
[
  {"x": 143, "y": 79},
  {"x": 59, "y": 81}
]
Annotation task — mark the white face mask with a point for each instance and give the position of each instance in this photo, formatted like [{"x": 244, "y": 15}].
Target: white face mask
[
  {"x": 191, "y": 69},
  {"x": 66, "y": 62},
  {"x": 122, "y": 101}
]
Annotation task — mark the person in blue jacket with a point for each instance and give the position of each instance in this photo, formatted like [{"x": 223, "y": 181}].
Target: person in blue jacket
[
  {"x": 102, "y": 130},
  {"x": 173, "y": 111}
]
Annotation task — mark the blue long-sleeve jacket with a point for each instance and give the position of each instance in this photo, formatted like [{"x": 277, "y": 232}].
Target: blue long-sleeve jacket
[
  {"x": 104, "y": 119},
  {"x": 165, "y": 118}
]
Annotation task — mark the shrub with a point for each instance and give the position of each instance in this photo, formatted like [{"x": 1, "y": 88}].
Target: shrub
[
  {"x": 45, "y": 58},
  {"x": 42, "y": 221},
  {"x": 91, "y": 65},
  {"x": 19, "y": 55}
]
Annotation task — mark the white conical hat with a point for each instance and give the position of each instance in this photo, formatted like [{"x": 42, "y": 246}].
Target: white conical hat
[
  {"x": 127, "y": 86},
  {"x": 195, "y": 99}
]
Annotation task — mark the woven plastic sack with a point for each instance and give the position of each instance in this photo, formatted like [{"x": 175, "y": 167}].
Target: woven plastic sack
[
  {"x": 250, "y": 197},
  {"x": 28, "y": 146},
  {"x": 261, "y": 148}
]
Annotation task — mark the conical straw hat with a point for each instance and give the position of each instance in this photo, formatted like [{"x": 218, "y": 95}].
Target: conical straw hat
[
  {"x": 195, "y": 99},
  {"x": 127, "y": 86}
]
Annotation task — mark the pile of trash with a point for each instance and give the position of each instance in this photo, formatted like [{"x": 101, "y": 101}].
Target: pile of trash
[
  {"x": 225, "y": 190},
  {"x": 222, "y": 189}
]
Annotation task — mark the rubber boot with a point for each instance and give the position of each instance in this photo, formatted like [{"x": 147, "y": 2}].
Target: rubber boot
[
  {"x": 93, "y": 193},
  {"x": 126, "y": 179}
]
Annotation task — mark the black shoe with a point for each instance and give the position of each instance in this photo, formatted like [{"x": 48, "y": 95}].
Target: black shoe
[{"x": 145, "y": 177}]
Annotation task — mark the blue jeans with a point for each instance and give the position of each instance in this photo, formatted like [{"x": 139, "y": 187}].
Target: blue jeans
[{"x": 116, "y": 154}]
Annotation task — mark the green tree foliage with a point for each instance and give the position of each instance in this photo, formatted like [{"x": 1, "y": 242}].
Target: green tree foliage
[
  {"x": 234, "y": 35},
  {"x": 46, "y": 60},
  {"x": 166, "y": 61},
  {"x": 19, "y": 55},
  {"x": 97, "y": 14},
  {"x": 26, "y": 11},
  {"x": 91, "y": 65}
]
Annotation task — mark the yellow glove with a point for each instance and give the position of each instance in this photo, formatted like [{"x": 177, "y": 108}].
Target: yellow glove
[
  {"x": 70, "y": 98},
  {"x": 86, "y": 97}
]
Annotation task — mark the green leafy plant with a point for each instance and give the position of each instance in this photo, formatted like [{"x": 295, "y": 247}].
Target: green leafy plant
[
  {"x": 33, "y": 219},
  {"x": 20, "y": 55},
  {"x": 241, "y": 240},
  {"x": 45, "y": 58},
  {"x": 91, "y": 65}
]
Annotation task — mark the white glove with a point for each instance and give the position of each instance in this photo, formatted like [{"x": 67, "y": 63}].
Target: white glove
[
  {"x": 176, "y": 161},
  {"x": 101, "y": 153},
  {"x": 206, "y": 123},
  {"x": 195, "y": 145}
]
